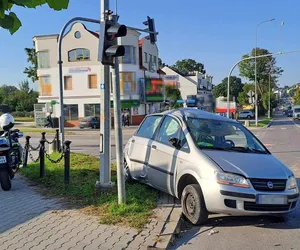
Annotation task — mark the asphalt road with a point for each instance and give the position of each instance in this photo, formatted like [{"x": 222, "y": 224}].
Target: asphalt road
[{"x": 283, "y": 140}]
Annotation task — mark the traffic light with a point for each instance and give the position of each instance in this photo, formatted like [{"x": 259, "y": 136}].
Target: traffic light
[
  {"x": 151, "y": 28},
  {"x": 108, "y": 48}
]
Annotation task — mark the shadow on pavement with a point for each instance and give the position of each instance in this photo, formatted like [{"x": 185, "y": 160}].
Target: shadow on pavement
[{"x": 282, "y": 123}]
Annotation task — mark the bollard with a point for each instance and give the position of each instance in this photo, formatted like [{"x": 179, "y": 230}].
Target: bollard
[
  {"x": 67, "y": 161},
  {"x": 43, "y": 136},
  {"x": 42, "y": 158},
  {"x": 57, "y": 141},
  {"x": 27, "y": 145}
]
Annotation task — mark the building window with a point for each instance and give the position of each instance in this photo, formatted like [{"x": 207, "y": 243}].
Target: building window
[
  {"x": 146, "y": 57},
  {"x": 45, "y": 85},
  {"x": 68, "y": 83},
  {"x": 77, "y": 34},
  {"x": 154, "y": 60},
  {"x": 78, "y": 55},
  {"x": 93, "y": 82},
  {"x": 43, "y": 59},
  {"x": 129, "y": 56},
  {"x": 92, "y": 110},
  {"x": 150, "y": 59},
  {"x": 128, "y": 83},
  {"x": 71, "y": 112}
]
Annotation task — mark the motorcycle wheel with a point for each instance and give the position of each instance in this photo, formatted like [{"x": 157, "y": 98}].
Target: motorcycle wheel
[{"x": 5, "y": 181}]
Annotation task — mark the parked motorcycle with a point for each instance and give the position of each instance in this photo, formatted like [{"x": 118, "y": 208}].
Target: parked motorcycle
[{"x": 11, "y": 151}]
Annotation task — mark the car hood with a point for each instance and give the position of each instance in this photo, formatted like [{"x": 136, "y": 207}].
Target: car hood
[{"x": 250, "y": 165}]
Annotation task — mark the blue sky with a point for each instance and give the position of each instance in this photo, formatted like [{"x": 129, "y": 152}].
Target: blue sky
[{"x": 216, "y": 32}]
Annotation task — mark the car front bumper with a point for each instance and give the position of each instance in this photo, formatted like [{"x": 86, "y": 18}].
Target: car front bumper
[{"x": 243, "y": 201}]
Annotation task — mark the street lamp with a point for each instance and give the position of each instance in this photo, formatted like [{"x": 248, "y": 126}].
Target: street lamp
[{"x": 255, "y": 81}]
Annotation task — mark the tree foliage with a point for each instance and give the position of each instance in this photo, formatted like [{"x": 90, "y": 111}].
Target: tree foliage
[
  {"x": 297, "y": 97},
  {"x": 19, "y": 99},
  {"x": 10, "y": 21},
  {"x": 173, "y": 94},
  {"x": 265, "y": 67},
  {"x": 31, "y": 71},
  {"x": 236, "y": 87},
  {"x": 243, "y": 98},
  {"x": 188, "y": 65},
  {"x": 265, "y": 101}
]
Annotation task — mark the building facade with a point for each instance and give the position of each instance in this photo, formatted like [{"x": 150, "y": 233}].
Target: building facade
[
  {"x": 81, "y": 74},
  {"x": 196, "y": 88}
]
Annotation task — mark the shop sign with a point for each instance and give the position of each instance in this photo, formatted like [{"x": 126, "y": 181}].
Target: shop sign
[{"x": 79, "y": 69}]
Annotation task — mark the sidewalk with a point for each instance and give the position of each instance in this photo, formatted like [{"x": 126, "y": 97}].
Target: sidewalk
[{"x": 30, "y": 221}]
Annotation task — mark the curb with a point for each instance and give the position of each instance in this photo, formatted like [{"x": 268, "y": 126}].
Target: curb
[
  {"x": 269, "y": 124},
  {"x": 163, "y": 227}
]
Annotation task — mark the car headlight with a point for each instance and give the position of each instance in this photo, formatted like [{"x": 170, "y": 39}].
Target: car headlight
[
  {"x": 231, "y": 179},
  {"x": 291, "y": 183}
]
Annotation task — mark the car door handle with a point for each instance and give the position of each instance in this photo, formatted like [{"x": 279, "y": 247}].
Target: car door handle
[{"x": 153, "y": 146}]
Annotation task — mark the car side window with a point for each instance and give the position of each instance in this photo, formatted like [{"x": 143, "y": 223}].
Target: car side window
[
  {"x": 149, "y": 126},
  {"x": 170, "y": 128}
]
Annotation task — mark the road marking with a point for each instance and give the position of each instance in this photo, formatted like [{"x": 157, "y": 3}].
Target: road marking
[
  {"x": 283, "y": 128},
  {"x": 297, "y": 125}
]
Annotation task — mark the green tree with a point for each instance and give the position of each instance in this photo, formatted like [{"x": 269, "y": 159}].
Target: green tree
[
  {"x": 160, "y": 63},
  {"x": 297, "y": 97},
  {"x": 236, "y": 87},
  {"x": 31, "y": 71},
  {"x": 273, "y": 101},
  {"x": 173, "y": 94},
  {"x": 10, "y": 21},
  {"x": 243, "y": 97},
  {"x": 188, "y": 65},
  {"x": 265, "y": 65}
]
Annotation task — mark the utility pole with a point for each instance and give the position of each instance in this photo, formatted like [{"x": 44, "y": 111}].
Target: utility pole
[
  {"x": 118, "y": 133},
  {"x": 105, "y": 120}
]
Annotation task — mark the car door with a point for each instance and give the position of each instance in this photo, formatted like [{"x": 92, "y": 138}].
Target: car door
[
  {"x": 140, "y": 144},
  {"x": 164, "y": 156}
]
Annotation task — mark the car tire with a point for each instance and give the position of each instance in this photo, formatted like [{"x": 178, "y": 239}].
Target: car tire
[
  {"x": 94, "y": 126},
  {"x": 5, "y": 181},
  {"x": 193, "y": 204},
  {"x": 127, "y": 174},
  {"x": 248, "y": 117}
]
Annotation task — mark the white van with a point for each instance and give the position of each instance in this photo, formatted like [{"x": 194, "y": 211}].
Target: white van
[{"x": 296, "y": 112}]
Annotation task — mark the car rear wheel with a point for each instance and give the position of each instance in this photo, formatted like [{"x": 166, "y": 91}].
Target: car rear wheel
[
  {"x": 127, "y": 174},
  {"x": 193, "y": 204},
  {"x": 249, "y": 117},
  {"x": 5, "y": 181}
]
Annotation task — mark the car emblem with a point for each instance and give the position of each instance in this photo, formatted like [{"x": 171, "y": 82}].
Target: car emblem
[{"x": 270, "y": 184}]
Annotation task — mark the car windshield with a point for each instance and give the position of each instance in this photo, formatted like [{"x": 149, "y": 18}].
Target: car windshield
[{"x": 223, "y": 135}]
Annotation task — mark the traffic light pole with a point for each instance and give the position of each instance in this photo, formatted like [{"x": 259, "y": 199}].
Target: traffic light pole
[
  {"x": 105, "y": 173},
  {"x": 118, "y": 133}
]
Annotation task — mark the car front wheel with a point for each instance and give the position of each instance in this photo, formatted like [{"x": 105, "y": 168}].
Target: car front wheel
[
  {"x": 127, "y": 174},
  {"x": 193, "y": 204}
]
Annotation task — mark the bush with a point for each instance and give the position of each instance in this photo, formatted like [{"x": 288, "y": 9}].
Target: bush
[{"x": 22, "y": 114}]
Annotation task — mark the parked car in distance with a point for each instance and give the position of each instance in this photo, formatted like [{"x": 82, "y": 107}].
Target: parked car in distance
[
  {"x": 246, "y": 114},
  {"x": 89, "y": 122},
  {"x": 211, "y": 163},
  {"x": 296, "y": 112}
]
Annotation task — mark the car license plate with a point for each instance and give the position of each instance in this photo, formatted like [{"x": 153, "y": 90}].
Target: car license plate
[
  {"x": 271, "y": 199},
  {"x": 2, "y": 159}
]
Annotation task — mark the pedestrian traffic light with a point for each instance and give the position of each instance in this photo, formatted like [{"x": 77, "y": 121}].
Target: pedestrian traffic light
[
  {"x": 151, "y": 28},
  {"x": 108, "y": 45}
]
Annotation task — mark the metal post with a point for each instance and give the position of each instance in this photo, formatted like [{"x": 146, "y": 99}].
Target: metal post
[
  {"x": 27, "y": 145},
  {"x": 255, "y": 76},
  {"x": 118, "y": 133},
  {"x": 43, "y": 136},
  {"x": 60, "y": 62},
  {"x": 67, "y": 161},
  {"x": 269, "y": 110},
  {"x": 105, "y": 120},
  {"x": 57, "y": 141},
  {"x": 42, "y": 158}
]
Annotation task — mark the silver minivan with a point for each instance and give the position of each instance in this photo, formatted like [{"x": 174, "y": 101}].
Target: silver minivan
[{"x": 211, "y": 163}]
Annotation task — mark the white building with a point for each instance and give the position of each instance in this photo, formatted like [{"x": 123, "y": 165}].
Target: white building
[
  {"x": 81, "y": 73},
  {"x": 193, "y": 86}
]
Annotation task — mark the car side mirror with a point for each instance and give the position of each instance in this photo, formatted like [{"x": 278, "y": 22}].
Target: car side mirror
[{"x": 174, "y": 142}]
